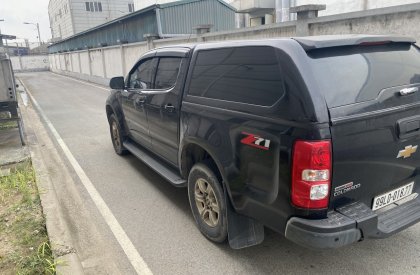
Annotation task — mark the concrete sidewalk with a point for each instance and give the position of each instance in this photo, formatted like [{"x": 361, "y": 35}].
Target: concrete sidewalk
[{"x": 11, "y": 150}]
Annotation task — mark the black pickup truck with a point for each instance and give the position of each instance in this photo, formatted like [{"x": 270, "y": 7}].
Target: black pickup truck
[{"x": 313, "y": 137}]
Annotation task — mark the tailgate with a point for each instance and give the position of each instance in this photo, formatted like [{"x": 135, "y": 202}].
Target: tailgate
[
  {"x": 375, "y": 147},
  {"x": 373, "y": 97}
]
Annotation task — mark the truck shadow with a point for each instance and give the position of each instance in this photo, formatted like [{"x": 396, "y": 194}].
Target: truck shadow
[
  {"x": 397, "y": 254},
  {"x": 277, "y": 255},
  {"x": 178, "y": 196}
]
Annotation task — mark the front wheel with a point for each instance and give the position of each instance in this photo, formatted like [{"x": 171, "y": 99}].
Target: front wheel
[
  {"x": 116, "y": 135},
  {"x": 207, "y": 202}
]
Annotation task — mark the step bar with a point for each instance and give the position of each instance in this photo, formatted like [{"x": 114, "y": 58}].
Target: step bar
[{"x": 156, "y": 164}]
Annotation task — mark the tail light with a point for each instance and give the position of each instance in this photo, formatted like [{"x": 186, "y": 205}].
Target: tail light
[{"x": 311, "y": 174}]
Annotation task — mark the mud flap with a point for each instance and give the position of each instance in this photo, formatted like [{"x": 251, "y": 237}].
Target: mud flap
[{"x": 242, "y": 230}]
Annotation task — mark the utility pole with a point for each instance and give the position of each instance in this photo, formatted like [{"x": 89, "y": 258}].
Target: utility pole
[
  {"x": 1, "y": 37},
  {"x": 39, "y": 35},
  {"x": 37, "y": 27}
]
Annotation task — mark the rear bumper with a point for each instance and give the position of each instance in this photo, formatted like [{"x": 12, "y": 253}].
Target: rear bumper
[{"x": 352, "y": 223}]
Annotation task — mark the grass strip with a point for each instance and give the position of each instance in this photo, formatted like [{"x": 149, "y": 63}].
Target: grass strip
[{"x": 24, "y": 244}]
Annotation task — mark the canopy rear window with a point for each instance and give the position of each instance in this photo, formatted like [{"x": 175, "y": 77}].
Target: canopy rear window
[{"x": 352, "y": 74}]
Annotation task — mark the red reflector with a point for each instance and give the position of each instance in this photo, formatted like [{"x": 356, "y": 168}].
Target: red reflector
[{"x": 311, "y": 174}]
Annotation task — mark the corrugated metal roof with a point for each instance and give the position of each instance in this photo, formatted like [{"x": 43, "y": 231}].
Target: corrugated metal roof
[
  {"x": 222, "y": 16},
  {"x": 183, "y": 2},
  {"x": 176, "y": 18},
  {"x": 112, "y": 22}
]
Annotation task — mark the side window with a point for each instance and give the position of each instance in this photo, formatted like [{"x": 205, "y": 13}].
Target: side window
[
  {"x": 244, "y": 74},
  {"x": 142, "y": 76},
  {"x": 167, "y": 72}
]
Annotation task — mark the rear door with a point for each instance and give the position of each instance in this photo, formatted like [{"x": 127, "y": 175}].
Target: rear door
[
  {"x": 372, "y": 92},
  {"x": 163, "y": 103}
]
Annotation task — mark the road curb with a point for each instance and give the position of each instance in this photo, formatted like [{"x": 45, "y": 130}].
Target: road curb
[{"x": 61, "y": 243}]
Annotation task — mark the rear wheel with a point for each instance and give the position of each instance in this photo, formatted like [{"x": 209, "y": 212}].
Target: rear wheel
[
  {"x": 116, "y": 135},
  {"x": 207, "y": 202}
]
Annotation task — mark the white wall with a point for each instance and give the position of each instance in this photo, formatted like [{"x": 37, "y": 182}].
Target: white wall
[
  {"x": 84, "y": 62},
  {"x": 30, "y": 63},
  {"x": 112, "y": 56},
  {"x": 132, "y": 54},
  {"x": 96, "y": 63},
  {"x": 343, "y": 6},
  {"x": 75, "y": 62}
]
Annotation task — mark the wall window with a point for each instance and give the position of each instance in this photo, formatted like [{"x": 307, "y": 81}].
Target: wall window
[
  {"x": 130, "y": 7},
  {"x": 167, "y": 72},
  {"x": 93, "y": 6},
  {"x": 65, "y": 8},
  {"x": 244, "y": 74}
]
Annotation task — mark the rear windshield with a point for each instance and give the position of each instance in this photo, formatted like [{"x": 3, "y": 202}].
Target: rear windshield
[{"x": 351, "y": 74}]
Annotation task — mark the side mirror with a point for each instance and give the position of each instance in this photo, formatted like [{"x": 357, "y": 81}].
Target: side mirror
[{"x": 117, "y": 83}]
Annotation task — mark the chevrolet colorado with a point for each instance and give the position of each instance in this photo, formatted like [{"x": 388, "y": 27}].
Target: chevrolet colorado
[{"x": 313, "y": 137}]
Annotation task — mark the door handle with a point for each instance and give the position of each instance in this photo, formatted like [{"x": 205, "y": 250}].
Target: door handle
[{"x": 169, "y": 107}]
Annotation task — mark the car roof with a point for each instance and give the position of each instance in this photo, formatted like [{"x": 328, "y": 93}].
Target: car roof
[
  {"x": 328, "y": 41},
  {"x": 227, "y": 43},
  {"x": 306, "y": 42}
]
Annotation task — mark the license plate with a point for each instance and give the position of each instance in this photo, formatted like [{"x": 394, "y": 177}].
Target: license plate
[{"x": 392, "y": 196}]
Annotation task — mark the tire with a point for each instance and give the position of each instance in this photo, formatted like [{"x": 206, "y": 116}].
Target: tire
[
  {"x": 208, "y": 205},
  {"x": 117, "y": 136}
]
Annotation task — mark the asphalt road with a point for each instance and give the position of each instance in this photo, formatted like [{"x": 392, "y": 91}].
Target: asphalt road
[{"x": 157, "y": 218}]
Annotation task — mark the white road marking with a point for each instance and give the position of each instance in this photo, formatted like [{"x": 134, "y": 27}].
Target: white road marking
[
  {"x": 81, "y": 81},
  {"x": 133, "y": 255}
]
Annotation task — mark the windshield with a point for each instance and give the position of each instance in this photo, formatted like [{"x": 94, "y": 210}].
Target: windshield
[{"x": 354, "y": 74}]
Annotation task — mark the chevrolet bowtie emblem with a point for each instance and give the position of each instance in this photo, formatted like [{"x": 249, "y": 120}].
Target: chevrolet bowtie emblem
[{"x": 406, "y": 153}]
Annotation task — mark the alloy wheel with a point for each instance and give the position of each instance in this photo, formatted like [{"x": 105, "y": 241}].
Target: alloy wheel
[
  {"x": 115, "y": 134},
  {"x": 206, "y": 201}
]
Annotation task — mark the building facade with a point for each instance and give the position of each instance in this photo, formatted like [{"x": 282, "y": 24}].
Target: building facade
[
  {"x": 69, "y": 17},
  {"x": 141, "y": 4}
]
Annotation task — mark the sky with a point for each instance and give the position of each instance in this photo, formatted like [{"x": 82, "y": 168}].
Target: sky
[{"x": 15, "y": 12}]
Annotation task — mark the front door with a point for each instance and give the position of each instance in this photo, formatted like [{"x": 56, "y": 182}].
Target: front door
[
  {"x": 139, "y": 79},
  {"x": 163, "y": 108}
]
